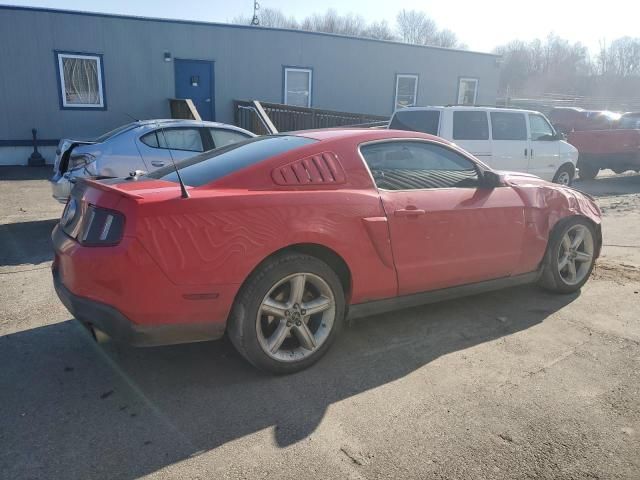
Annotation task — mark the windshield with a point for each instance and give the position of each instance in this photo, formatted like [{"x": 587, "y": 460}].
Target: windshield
[
  {"x": 210, "y": 166},
  {"x": 630, "y": 122}
]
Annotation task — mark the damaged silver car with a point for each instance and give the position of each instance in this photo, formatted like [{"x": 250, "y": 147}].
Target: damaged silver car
[{"x": 144, "y": 145}]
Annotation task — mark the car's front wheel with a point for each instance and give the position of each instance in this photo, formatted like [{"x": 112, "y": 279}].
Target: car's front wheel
[
  {"x": 564, "y": 175},
  {"x": 570, "y": 256},
  {"x": 288, "y": 313}
]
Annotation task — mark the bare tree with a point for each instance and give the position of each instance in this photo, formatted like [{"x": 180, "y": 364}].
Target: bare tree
[
  {"x": 415, "y": 27},
  {"x": 380, "y": 30},
  {"x": 269, "y": 17},
  {"x": 624, "y": 57}
]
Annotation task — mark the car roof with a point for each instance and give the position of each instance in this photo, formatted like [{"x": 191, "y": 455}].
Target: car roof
[
  {"x": 465, "y": 107},
  {"x": 365, "y": 134},
  {"x": 177, "y": 122}
]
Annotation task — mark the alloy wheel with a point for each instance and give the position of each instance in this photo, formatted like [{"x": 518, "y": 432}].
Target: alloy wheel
[
  {"x": 575, "y": 254},
  {"x": 295, "y": 317}
]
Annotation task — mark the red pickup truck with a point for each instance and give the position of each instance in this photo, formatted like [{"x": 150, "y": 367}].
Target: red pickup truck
[{"x": 603, "y": 139}]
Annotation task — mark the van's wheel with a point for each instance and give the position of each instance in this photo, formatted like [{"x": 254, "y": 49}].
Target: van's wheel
[
  {"x": 570, "y": 256},
  {"x": 288, "y": 313},
  {"x": 587, "y": 171},
  {"x": 564, "y": 175}
]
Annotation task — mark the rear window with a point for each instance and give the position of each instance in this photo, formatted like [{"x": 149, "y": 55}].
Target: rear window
[
  {"x": 425, "y": 121},
  {"x": 470, "y": 126},
  {"x": 218, "y": 163},
  {"x": 116, "y": 131}
]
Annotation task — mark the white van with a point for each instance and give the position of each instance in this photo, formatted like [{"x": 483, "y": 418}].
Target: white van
[{"x": 504, "y": 138}]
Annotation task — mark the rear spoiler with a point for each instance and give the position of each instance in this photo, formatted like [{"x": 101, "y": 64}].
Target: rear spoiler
[{"x": 107, "y": 188}]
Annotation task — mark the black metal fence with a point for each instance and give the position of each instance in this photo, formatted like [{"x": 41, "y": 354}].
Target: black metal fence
[{"x": 289, "y": 118}]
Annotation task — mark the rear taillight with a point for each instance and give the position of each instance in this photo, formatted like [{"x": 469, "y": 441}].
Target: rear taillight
[{"x": 102, "y": 227}]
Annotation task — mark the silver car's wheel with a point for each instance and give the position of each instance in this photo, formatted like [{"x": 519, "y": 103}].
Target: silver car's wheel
[
  {"x": 295, "y": 317},
  {"x": 575, "y": 255}
]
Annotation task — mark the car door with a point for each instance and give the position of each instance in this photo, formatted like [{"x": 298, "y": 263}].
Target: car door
[
  {"x": 184, "y": 142},
  {"x": 509, "y": 141},
  {"x": 445, "y": 229},
  {"x": 153, "y": 155},
  {"x": 544, "y": 147},
  {"x": 469, "y": 129}
]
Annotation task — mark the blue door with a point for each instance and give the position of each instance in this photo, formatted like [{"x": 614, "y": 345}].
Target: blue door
[{"x": 194, "y": 80}]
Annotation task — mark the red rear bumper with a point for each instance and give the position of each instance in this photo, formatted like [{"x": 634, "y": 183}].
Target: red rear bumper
[{"x": 121, "y": 291}]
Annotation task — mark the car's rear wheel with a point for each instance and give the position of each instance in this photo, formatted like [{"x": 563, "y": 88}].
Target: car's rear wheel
[
  {"x": 587, "y": 171},
  {"x": 564, "y": 175},
  {"x": 570, "y": 256},
  {"x": 288, "y": 313}
]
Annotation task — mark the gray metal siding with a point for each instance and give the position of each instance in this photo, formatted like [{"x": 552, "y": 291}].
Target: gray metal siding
[{"x": 348, "y": 74}]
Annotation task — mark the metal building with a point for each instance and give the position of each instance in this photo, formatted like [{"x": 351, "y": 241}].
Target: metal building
[{"x": 76, "y": 74}]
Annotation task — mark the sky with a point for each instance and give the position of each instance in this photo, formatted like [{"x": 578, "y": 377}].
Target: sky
[{"x": 481, "y": 25}]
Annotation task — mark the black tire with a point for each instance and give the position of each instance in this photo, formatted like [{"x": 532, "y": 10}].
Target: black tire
[
  {"x": 587, "y": 171},
  {"x": 242, "y": 325},
  {"x": 564, "y": 169},
  {"x": 551, "y": 278}
]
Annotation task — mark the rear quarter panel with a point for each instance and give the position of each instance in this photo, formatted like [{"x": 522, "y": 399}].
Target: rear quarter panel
[{"x": 224, "y": 236}]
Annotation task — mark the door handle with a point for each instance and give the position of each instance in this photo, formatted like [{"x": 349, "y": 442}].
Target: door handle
[
  {"x": 525, "y": 152},
  {"x": 409, "y": 212},
  {"x": 207, "y": 100},
  {"x": 157, "y": 163},
  {"x": 532, "y": 153}
]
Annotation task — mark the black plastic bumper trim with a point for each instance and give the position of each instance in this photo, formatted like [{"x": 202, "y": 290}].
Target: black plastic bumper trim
[{"x": 114, "y": 324}]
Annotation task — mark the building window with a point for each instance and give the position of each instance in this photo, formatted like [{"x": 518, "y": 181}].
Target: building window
[
  {"x": 297, "y": 86},
  {"x": 406, "y": 91},
  {"x": 81, "y": 80},
  {"x": 467, "y": 91}
]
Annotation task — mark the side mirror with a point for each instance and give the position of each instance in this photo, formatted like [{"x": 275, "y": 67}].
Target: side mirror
[{"x": 490, "y": 179}]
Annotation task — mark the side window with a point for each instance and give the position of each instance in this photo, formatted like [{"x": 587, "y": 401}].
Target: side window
[
  {"x": 415, "y": 165},
  {"x": 223, "y": 138},
  {"x": 425, "y": 121},
  {"x": 188, "y": 139},
  {"x": 508, "y": 126},
  {"x": 540, "y": 128},
  {"x": 470, "y": 125},
  {"x": 150, "y": 139}
]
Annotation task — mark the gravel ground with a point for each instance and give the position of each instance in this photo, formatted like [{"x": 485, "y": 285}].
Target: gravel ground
[{"x": 513, "y": 384}]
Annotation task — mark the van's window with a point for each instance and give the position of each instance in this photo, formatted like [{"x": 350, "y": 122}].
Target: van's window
[
  {"x": 411, "y": 165},
  {"x": 540, "y": 128},
  {"x": 508, "y": 126},
  {"x": 470, "y": 125},
  {"x": 425, "y": 121},
  {"x": 215, "y": 164}
]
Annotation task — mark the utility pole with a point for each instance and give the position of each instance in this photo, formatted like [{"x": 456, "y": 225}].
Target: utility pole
[{"x": 255, "y": 20}]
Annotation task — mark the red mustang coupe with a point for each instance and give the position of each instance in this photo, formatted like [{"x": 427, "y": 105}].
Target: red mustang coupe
[{"x": 276, "y": 240}]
